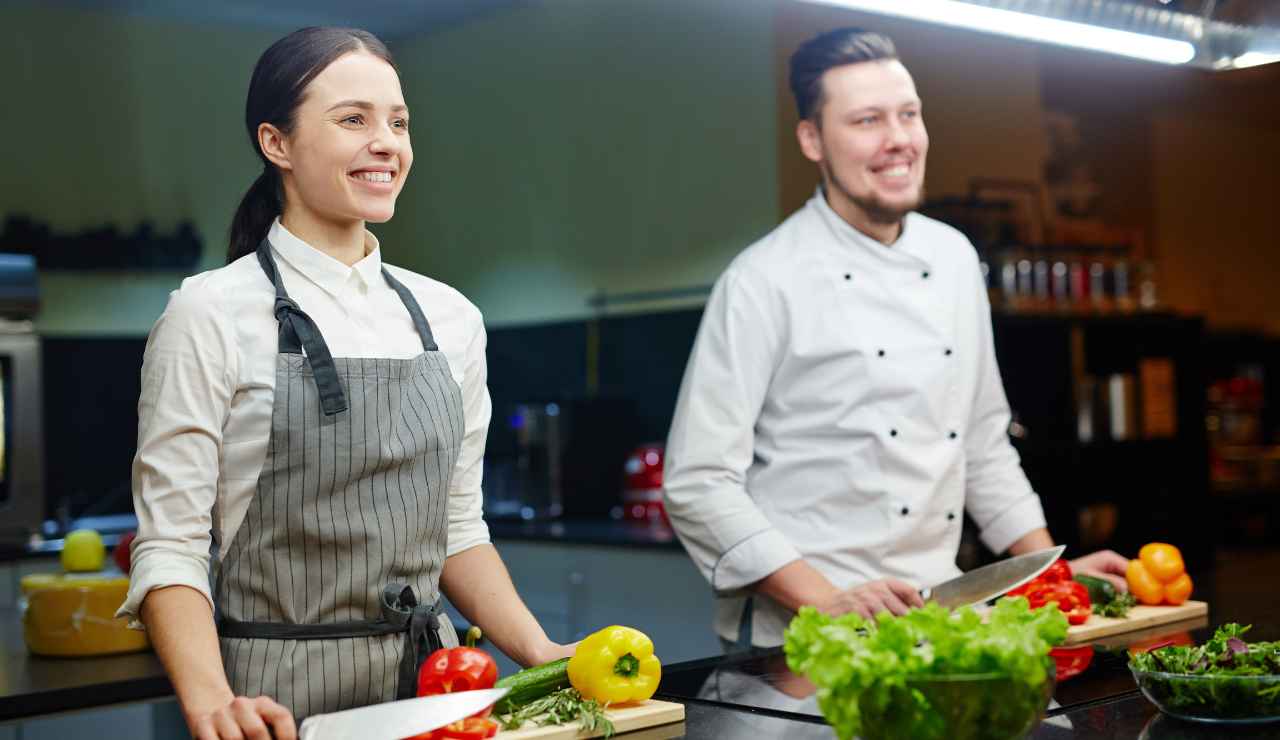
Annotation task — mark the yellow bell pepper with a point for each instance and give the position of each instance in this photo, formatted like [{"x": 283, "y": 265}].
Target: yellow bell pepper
[{"x": 615, "y": 665}]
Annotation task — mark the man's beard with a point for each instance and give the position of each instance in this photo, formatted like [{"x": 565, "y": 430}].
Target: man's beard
[{"x": 878, "y": 212}]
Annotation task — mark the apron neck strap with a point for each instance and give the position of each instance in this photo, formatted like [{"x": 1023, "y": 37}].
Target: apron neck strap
[
  {"x": 299, "y": 332},
  {"x": 415, "y": 311}
]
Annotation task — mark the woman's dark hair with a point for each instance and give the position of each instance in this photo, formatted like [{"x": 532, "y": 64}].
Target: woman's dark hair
[
  {"x": 825, "y": 51},
  {"x": 275, "y": 92}
]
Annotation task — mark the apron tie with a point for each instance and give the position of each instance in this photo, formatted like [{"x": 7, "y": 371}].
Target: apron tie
[{"x": 421, "y": 624}]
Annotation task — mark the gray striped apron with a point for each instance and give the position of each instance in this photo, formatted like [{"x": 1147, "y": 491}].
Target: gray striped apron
[{"x": 318, "y": 593}]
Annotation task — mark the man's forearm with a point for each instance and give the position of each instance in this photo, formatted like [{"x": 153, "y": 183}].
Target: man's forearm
[
  {"x": 796, "y": 584},
  {"x": 1036, "y": 539},
  {"x": 180, "y": 626}
]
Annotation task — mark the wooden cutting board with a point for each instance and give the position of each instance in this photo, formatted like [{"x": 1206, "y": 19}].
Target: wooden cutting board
[
  {"x": 625, "y": 719},
  {"x": 1140, "y": 618}
]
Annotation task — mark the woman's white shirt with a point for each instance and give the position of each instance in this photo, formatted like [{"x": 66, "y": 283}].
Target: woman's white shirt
[{"x": 208, "y": 382}]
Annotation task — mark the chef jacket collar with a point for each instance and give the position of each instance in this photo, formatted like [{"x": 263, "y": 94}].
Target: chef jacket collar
[
  {"x": 904, "y": 251},
  {"x": 328, "y": 273}
]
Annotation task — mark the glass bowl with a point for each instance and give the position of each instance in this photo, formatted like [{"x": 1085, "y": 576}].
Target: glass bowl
[
  {"x": 1212, "y": 697},
  {"x": 975, "y": 706}
]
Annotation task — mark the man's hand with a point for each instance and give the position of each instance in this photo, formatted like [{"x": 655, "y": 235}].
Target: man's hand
[
  {"x": 886, "y": 594},
  {"x": 1106, "y": 564}
]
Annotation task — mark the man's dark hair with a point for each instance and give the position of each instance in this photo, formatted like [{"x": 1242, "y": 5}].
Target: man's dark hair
[{"x": 826, "y": 51}]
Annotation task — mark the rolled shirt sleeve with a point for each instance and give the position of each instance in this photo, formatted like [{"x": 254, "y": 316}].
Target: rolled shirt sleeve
[
  {"x": 711, "y": 444},
  {"x": 188, "y": 378},
  {"x": 466, "y": 503},
  {"x": 998, "y": 494}
]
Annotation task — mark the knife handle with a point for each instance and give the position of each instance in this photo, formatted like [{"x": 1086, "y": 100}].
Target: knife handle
[{"x": 926, "y": 594}]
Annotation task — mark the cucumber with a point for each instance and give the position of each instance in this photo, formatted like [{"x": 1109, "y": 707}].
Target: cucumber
[
  {"x": 532, "y": 683},
  {"x": 1100, "y": 591}
]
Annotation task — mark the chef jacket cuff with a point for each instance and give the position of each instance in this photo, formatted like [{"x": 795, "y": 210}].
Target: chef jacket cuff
[
  {"x": 161, "y": 569},
  {"x": 751, "y": 559},
  {"x": 1013, "y": 523}
]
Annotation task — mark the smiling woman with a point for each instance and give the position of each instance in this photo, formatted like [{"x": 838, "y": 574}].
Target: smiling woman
[
  {"x": 311, "y": 136},
  {"x": 315, "y": 420}
]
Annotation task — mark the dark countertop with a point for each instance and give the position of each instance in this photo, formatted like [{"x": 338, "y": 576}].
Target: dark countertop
[
  {"x": 1125, "y": 717},
  {"x": 613, "y": 532},
  {"x": 1101, "y": 702},
  {"x": 31, "y": 685},
  {"x": 728, "y": 697}
]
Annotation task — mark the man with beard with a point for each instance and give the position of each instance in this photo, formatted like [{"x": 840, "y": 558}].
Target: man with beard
[{"x": 842, "y": 406}]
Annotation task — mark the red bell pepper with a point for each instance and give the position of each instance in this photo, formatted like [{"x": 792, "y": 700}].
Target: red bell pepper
[
  {"x": 1071, "y": 597},
  {"x": 458, "y": 669},
  {"x": 1071, "y": 661},
  {"x": 1059, "y": 572},
  {"x": 471, "y": 728}
]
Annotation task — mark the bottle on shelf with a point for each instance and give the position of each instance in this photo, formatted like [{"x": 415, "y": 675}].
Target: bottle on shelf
[
  {"x": 1121, "y": 289},
  {"x": 1148, "y": 299},
  {"x": 1043, "y": 296},
  {"x": 1099, "y": 300},
  {"x": 1009, "y": 279},
  {"x": 1078, "y": 279},
  {"x": 1060, "y": 289}
]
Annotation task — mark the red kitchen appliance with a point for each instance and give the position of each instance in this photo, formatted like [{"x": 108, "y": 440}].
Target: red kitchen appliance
[{"x": 642, "y": 490}]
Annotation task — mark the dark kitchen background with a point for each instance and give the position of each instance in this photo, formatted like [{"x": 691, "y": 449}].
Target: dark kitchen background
[{"x": 1122, "y": 209}]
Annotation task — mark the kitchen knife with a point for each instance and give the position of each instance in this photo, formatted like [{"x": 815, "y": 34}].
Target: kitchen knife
[
  {"x": 980, "y": 585},
  {"x": 394, "y": 720}
]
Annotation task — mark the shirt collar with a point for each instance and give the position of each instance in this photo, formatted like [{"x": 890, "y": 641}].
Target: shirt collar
[
  {"x": 328, "y": 273},
  {"x": 916, "y": 251}
]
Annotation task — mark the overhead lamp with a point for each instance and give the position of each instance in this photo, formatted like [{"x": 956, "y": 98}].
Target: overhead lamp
[
  {"x": 1254, "y": 59},
  {"x": 1030, "y": 26}
]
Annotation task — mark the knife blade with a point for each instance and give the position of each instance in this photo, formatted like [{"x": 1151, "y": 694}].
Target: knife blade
[
  {"x": 394, "y": 720},
  {"x": 983, "y": 584}
]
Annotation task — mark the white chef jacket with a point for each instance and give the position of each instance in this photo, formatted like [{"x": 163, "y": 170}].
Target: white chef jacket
[
  {"x": 208, "y": 381},
  {"x": 842, "y": 404}
]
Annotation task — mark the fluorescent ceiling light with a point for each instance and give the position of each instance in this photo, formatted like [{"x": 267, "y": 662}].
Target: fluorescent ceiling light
[
  {"x": 1253, "y": 59},
  {"x": 1029, "y": 26}
]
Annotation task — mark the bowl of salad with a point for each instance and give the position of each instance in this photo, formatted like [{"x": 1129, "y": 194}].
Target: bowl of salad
[
  {"x": 973, "y": 706},
  {"x": 1225, "y": 680},
  {"x": 930, "y": 673}
]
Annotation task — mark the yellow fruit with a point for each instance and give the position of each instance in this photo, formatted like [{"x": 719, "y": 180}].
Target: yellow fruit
[{"x": 83, "y": 551}]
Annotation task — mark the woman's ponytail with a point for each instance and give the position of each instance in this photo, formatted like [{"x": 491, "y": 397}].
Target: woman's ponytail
[{"x": 258, "y": 208}]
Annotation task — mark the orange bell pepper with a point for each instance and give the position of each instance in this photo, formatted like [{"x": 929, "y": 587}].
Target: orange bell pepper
[
  {"x": 1178, "y": 590},
  {"x": 1159, "y": 575},
  {"x": 1162, "y": 560},
  {"x": 1144, "y": 586}
]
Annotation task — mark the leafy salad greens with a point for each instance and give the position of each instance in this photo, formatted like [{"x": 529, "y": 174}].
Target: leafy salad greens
[
  {"x": 1225, "y": 677},
  {"x": 888, "y": 677}
]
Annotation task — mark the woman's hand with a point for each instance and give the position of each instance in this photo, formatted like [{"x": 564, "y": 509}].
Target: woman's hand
[
  {"x": 244, "y": 719},
  {"x": 550, "y": 651}
]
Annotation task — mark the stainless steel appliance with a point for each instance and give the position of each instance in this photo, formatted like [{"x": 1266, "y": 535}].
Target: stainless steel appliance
[
  {"x": 558, "y": 458},
  {"x": 21, "y": 405},
  {"x": 523, "y": 476}
]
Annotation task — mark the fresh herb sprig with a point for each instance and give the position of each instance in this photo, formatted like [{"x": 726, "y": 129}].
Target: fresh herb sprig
[
  {"x": 560, "y": 707},
  {"x": 1117, "y": 608}
]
